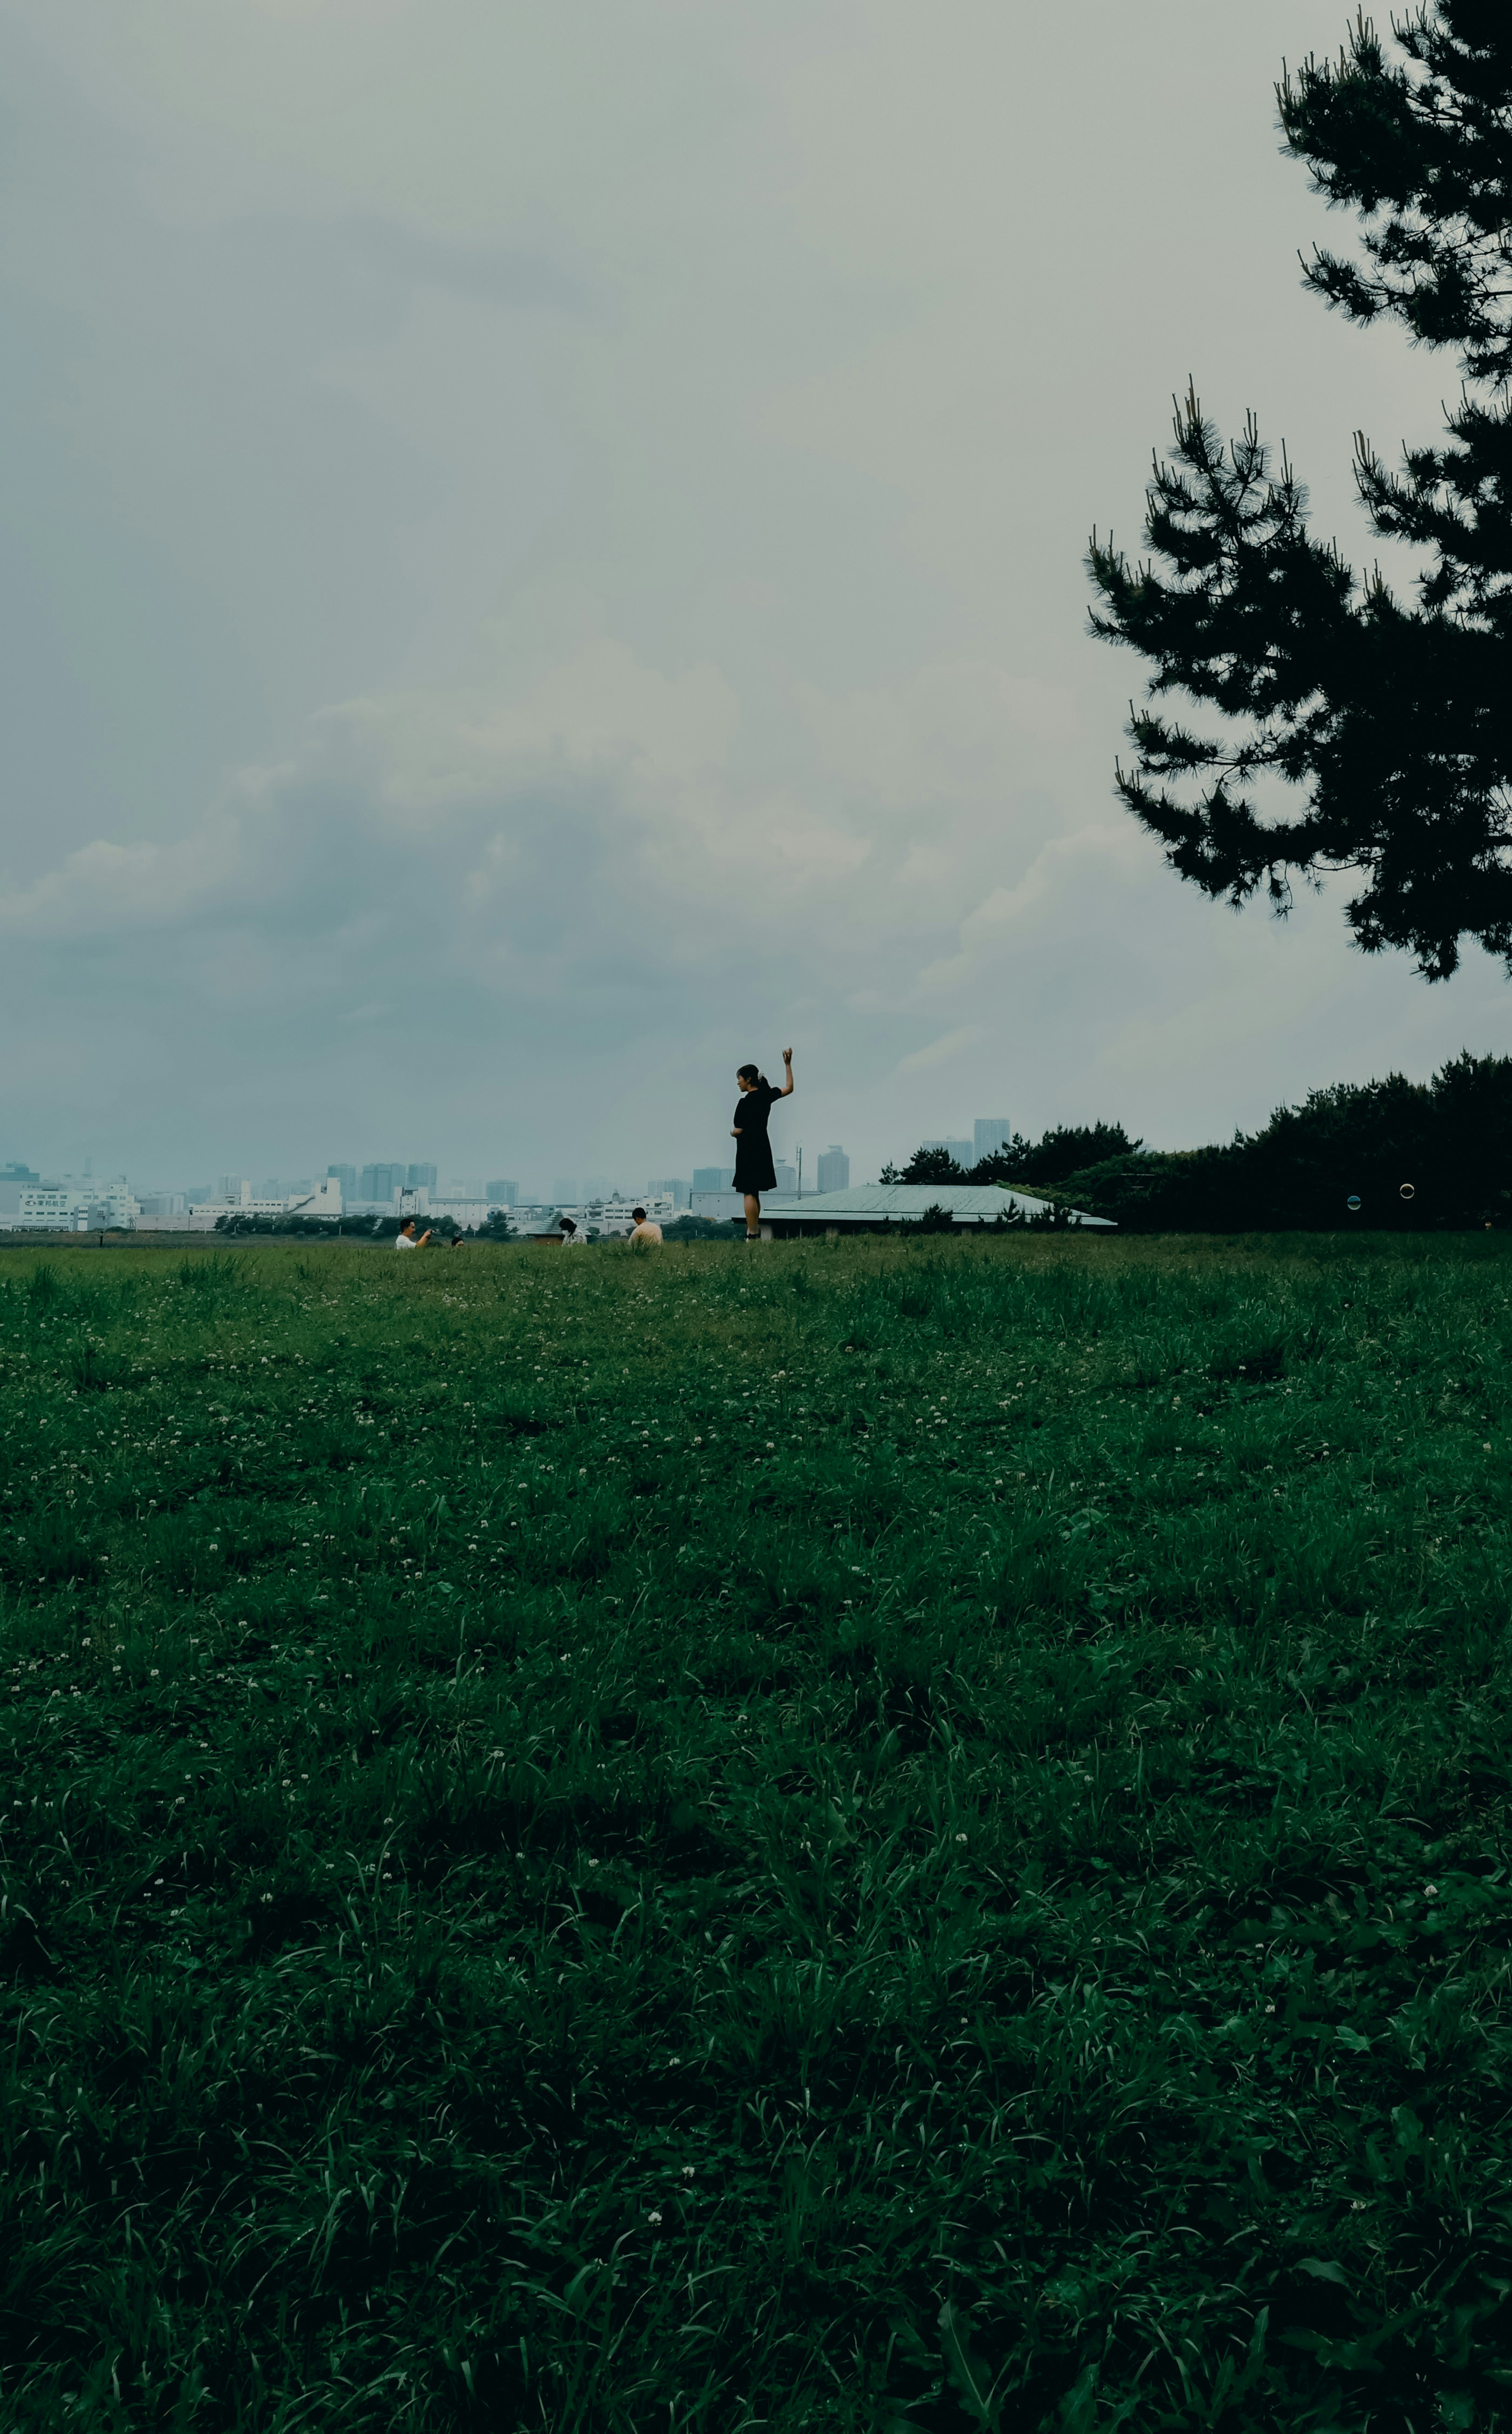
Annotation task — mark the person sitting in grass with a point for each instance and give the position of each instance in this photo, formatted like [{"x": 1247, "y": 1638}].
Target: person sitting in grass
[
  {"x": 404, "y": 1239},
  {"x": 753, "y": 1169},
  {"x": 571, "y": 1239},
  {"x": 645, "y": 1229}
]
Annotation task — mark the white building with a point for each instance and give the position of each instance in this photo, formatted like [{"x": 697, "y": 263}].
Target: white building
[
  {"x": 68, "y": 1205},
  {"x": 55, "y": 1207},
  {"x": 322, "y": 1200},
  {"x": 613, "y": 1218}
]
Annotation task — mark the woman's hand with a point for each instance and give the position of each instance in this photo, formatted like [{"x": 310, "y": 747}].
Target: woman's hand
[{"x": 786, "y": 1055}]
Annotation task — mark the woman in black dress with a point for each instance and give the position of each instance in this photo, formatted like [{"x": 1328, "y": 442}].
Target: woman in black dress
[{"x": 753, "y": 1169}]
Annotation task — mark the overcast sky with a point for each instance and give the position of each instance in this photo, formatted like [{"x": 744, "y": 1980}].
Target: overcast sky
[{"x": 541, "y": 558}]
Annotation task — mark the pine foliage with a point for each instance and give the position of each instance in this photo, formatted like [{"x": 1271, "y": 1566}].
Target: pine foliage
[
  {"x": 1389, "y": 718},
  {"x": 1389, "y": 1156},
  {"x": 1063, "y": 1150}
]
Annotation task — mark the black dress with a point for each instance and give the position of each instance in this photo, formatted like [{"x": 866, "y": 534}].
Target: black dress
[{"x": 753, "y": 1169}]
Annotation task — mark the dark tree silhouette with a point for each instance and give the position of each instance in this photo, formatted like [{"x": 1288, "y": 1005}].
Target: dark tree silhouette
[
  {"x": 926, "y": 1166},
  {"x": 1063, "y": 1150},
  {"x": 1391, "y": 719}
]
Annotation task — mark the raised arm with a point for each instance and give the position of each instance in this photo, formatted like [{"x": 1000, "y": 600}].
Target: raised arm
[{"x": 786, "y": 1091}]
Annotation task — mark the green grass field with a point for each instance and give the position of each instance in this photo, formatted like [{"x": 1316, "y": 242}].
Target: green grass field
[{"x": 906, "y": 1834}]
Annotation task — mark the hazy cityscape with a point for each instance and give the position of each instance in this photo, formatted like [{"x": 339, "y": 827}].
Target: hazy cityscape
[{"x": 37, "y": 1199}]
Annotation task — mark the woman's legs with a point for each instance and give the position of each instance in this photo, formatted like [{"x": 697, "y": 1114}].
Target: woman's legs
[{"x": 752, "y": 1216}]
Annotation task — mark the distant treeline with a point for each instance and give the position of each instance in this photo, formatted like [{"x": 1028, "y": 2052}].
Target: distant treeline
[
  {"x": 1367, "y": 1156},
  {"x": 496, "y": 1229}
]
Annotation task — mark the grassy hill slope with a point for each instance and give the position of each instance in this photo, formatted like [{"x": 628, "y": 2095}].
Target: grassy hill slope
[{"x": 861, "y": 1835}]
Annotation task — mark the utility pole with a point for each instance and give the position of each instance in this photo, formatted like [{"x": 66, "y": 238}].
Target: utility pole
[{"x": 800, "y": 1172}]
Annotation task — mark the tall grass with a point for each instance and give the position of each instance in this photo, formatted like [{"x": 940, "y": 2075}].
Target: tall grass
[{"x": 861, "y": 1836}]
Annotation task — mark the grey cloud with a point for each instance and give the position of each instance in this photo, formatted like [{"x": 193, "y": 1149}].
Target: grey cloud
[{"x": 396, "y": 252}]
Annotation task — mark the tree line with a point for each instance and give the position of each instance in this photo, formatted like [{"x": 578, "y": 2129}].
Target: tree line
[
  {"x": 366, "y": 1228},
  {"x": 1393, "y": 1154}
]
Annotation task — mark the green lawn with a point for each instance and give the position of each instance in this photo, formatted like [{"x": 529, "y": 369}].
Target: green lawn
[{"x": 900, "y": 1834}]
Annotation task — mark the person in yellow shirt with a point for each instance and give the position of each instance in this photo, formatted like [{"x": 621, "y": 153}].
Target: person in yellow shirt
[{"x": 645, "y": 1229}]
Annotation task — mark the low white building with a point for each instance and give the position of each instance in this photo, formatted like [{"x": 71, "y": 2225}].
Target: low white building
[
  {"x": 614, "y": 1217},
  {"x": 69, "y": 1205},
  {"x": 50, "y": 1207},
  {"x": 881, "y": 1207},
  {"x": 199, "y": 1219},
  {"x": 609, "y": 1220},
  {"x": 322, "y": 1200}
]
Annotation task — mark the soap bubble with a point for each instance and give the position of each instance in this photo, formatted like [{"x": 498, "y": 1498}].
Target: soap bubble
[
  {"x": 1407, "y": 1191},
  {"x": 1354, "y": 1201}
]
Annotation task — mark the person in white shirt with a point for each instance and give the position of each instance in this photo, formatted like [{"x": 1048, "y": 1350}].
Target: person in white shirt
[
  {"x": 571, "y": 1239},
  {"x": 645, "y": 1229},
  {"x": 404, "y": 1239}
]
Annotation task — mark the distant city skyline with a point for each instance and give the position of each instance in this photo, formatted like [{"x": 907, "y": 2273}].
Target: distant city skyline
[{"x": 377, "y": 1182}]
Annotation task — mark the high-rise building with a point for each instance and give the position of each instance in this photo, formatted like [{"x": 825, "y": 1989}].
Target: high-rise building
[
  {"x": 993, "y": 1134},
  {"x": 963, "y": 1152},
  {"x": 346, "y": 1178},
  {"x": 380, "y": 1182},
  {"x": 834, "y": 1169},
  {"x": 502, "y": 1194},
  {"x": 676, "y": 1190},
  {"x": 714, "y": 1179},
  {"x": 420, "y": 1177},
  {"x": 786, "y": 1175}
]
